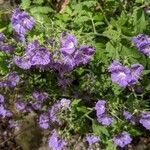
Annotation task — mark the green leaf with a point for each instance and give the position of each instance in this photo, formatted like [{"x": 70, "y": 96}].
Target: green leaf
[
  {"x": 82, "y": 109},
  {"x": 41, "y": 9},
  {"x": 25, "y": 4},
  {"x": 99, "y": 129},
  {"x": 110, "y": 146},
  {"x": 38, "y": 2}
]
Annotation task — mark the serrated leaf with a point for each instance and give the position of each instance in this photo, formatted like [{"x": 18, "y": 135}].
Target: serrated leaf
[
  {"x": 25, "y": 4},
  {"x": 99, "y": 129},
  {"x": 41, "y": 10}
]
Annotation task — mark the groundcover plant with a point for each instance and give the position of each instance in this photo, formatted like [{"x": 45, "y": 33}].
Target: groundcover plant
[{"x": 74, "y": 75}]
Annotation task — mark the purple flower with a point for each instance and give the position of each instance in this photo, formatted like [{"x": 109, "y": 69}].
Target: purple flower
[
  {"x": 40, "y": 96},
  {"x": 105, "y": 119},
  {"x": 122, "y": 139},
  {"x": 127, "y": 115},
  {"x": 84, "y": 54},
  {"x": 22, "y": 62},
  {"x": 4, "y": 112},
  {"x": 56, "y": 143},
  {"x": 145, "y": 120},
  {"x": 21, "y": 21},
  {"x": 136, "y": 70},
  {"x": 120, "y": 74},
  {"x": 12, "y": 79},
  {"x": 41, "y": 57},
  {"x": 142, "y": 42},
  {"x": 125, "y": 76},
  {"x": 1, "y": 99},
  {"x": 2, "y": 37},
  {"x": 44, "y": 121},
  {"x": 7, "y": 48},
  {"x": 91, "y": 139},
  {"x": 100, "y": 107},
  {"x": 68, "y": 44},
  {"x": 37, "y": 105},
  {"x": 65, "y": 103},
  {"x": 21, "y": 106}
]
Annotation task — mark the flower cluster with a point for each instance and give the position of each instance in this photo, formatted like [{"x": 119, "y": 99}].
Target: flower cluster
[
  {"x": 91, "y": 139},
  {"x": 21, "y": 22},
  {"x": 102, "y": 117},
  {"x": 51, "y": 116},
  {"x": 142, "y": 43},
  {"x": 5, "y": 47},
  {"x": 125, "y": 76},
  {"x": 35, "y": 55},
  {"x": 3, "y": 111},
  {"x": 122, "y": 139},
  {"x": 55, "y": 142},
  {"x": 39, "y": 98},
  {"x": 11, "y": 80}
]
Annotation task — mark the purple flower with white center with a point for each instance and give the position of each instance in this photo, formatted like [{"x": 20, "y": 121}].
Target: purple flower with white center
[
  {"x": 22, "y": 21},
  {"x": 127, "y": 115},
  {"x": 1, "y": 99},
  {"x": 84, "y": 54},
  {"x": 37, "y": 105},
  {"x": 120, "y": 74},
  {"x": 4, "y": 112},
  {"x": 68, "y": 44},
  {"x": 21, "y": 106},
  {"x": 7, "y": 48},
  {"x": 136, "y": 70},
  {"x": 100, "y": 107},
  {"x": 40, "y": 96},
  {"x": 145, "y": 120},
  {"x": 105, "y": 119},
  {"x": 12, "y": 79},
  {"x": 2, "y": 37},
  {"x": 22, "y": 62},
  {"x": 44, "y": 121},
  {"x": 91, "y": 139},
  {"x": 122, "y": 139},
  {"x": 65, "y": 103},
  {"x": 55, "y": 142}
]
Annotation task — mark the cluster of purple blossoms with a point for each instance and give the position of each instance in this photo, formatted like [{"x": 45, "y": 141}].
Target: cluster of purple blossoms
[
  {"x": 102, "y": 117},
  {"x": 125, "y": 76},
  {"x": 39, "y": 98},
  {"x": 145, "y": 120},
  {"x": 35, "y": 55},
  {"x": 122, "y": 139},
  {"x": 55, "y": 142},
  {"x": 142, "y": 43},
  {"x": 5, "y": 47},
  {"x": 51, "y": 116},
  {"x": 3, "y": 111},
  {"x": 11, "y": 80},
  {"x": 21, "y": 22},
  {"x": 91, "y": 139}
]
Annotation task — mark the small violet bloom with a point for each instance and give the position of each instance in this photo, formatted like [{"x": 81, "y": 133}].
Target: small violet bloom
[
  {"x": 105, "y": 119},
  {"x": 55, "y": 142},
  {"x": 91, "y": 139},
  {"x": 127, "y": 115},
  {"x": 145, "y": 120},
  {"x": 100, "y": 107},
  {"x": 122, "y": 139},
  {"x": 44, "y": 121},
  {"x": 21, "y": 21},
  {"x": 40, "y": 96},
  {"x": 1, "y": 99}
]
